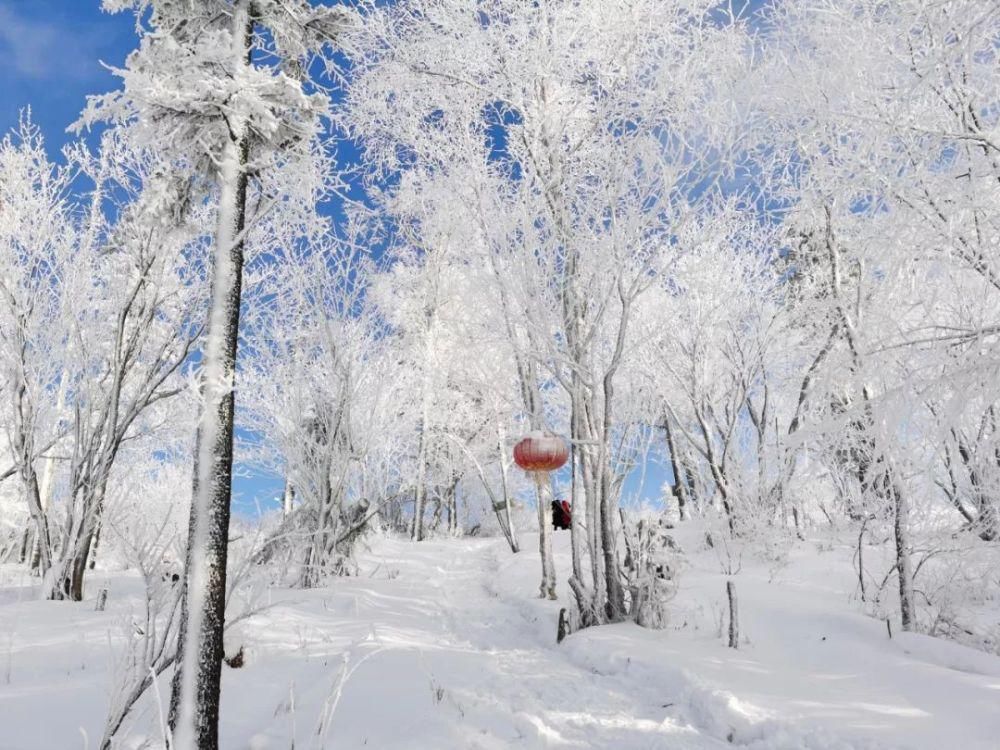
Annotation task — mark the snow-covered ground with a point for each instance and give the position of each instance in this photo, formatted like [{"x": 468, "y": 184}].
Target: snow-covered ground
[{"x": 443, "y": 645}]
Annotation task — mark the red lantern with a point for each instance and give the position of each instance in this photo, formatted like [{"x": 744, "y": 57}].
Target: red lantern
[{"x": 541, "y": 451}]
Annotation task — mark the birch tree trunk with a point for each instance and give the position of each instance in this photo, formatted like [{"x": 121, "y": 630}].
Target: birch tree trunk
[
  {"x": 48, "y": 474},
  {"x": 79, "y": 542},
  {"x": 452, "y": 509},
  {"x": 615, "y": 603},
  {"x": 194, "y": 701},
  {"x": 511, "y": 531},
  {"x": 420, "y": 492},
  {"x": 575, "y": 531},
  {"x": 903, "y": 566},
  {"x": 22, "y": 445},
  {"x": 543, "y": 485},
  {"x": 678, "y": 489}
]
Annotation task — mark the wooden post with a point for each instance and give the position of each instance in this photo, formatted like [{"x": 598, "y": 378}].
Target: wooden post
[
  {"x": 734, "y": 616},
  {"x": 563, "y": 629}
]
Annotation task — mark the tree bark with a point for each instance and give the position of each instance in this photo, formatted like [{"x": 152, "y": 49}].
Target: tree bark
[
  {"x": 452, "y": 507},
  {"x": 575, "y": 531},
  {"x": 511, "y": 531},
  {"x": 903, "y": 566},
  {"x": 419, "y": 492},
  {"x": 22, "y": 445},
  {"x": 678, "y": 490},
  {"x": 547, "y": 588},
  {"x": 48, "y": 473},
  {"x": 194, "y": 702},
  {"x": 79, "y": 545}
]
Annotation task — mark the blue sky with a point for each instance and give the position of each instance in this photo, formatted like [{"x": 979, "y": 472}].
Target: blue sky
[{"x": 52, "y": 52}]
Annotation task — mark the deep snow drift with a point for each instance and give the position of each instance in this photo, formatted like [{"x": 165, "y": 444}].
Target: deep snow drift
[{"x": 443, "y": 645}]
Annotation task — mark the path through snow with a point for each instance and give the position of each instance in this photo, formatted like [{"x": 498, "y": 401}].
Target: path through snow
[{"x": 447, "y": 662}]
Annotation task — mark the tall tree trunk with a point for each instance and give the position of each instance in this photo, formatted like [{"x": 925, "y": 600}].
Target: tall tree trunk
[
  {"x": 419, "y": 509},
  {"x": 48, "y": 472},
  {"x": 420, "y": 492},
  {"x": 575, "y": 532},
  {"x": 79, "y": 547},
  {"x": 589, "y": 473},
  {"x": 615, "y": 604},
  {"x": 92, "y": 560},
  {"x": 511, "y": 531},
  {"x": 532, "y": 397},
  {"x": 28, "y": 542},
  {"x": 903, "y": 564},
  {"x": 80, "y": 538},
  {"x": 23, "y": 449},
  {"x": 452, "y": 507},
  {"x": 194, "y": 701},
  {"x": 543, "y": 485},
  {"x": 677, "y": 489}
]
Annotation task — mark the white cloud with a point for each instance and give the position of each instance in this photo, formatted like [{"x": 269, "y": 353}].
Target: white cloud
[{"x": 42, "y": 50}]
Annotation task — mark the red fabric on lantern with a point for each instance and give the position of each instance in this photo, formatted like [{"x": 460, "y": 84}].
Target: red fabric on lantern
[{"x": 541, "y": 452}]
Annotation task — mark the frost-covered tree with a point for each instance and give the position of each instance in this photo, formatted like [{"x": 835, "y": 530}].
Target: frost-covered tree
[
  {"x": 561, "y": 129},
  {"x": 316, "y": 394},
  {"x": 37, "y": 241},
  {"x": 221, "y": 90},
  {"x": 884, "y": 145},
  {"x": 142, "y": 295},
  {"x": 440, "y": 305},
  {"x": 716, "y": 367},
  {"x": 99, "y": 323}
]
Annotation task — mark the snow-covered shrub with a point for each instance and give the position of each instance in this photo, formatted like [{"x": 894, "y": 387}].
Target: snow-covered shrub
[
  {"x": 148, "y": 635},
  {"x": 957, "y": 587},
  {"x": 284, "y": 543},
  {"x": 651, "y": 567},
  {"x": 13, "y": 522}
]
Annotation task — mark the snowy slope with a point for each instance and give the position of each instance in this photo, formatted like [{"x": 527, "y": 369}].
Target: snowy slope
[{"x": 443, "y": 645}]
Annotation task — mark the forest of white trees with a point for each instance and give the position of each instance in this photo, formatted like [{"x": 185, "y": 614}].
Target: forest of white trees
[{"x": 365, "y": 248}]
